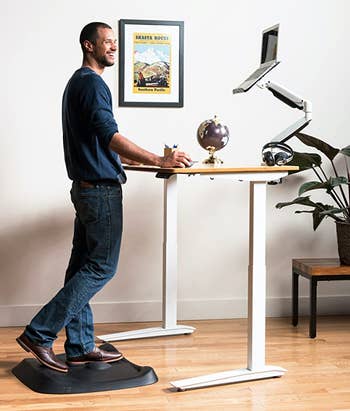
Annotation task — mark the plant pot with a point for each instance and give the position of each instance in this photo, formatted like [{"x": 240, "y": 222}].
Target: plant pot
[{"x": 343, "y": 237}]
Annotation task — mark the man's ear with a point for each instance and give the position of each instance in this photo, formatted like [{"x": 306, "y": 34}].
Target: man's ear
[{"x": 88, "y": 45}]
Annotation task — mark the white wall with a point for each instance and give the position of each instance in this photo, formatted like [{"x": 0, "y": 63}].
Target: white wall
[{"x": 40, "y": 51}]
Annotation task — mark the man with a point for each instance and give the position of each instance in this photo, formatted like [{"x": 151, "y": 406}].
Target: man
[{"x": 93, "y": 150}]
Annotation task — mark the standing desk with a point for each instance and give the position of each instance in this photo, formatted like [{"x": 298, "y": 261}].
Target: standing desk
[{"x": 257, "y": 177}]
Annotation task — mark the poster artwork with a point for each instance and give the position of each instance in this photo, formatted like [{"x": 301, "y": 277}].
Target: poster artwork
[{"x": 152, "y": 63}]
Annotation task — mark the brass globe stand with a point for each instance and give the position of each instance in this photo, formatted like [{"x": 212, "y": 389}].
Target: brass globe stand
[{"x": 212, "y": 159}]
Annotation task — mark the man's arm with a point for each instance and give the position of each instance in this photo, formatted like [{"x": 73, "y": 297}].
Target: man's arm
[
  {"x": 125, "y": 160},
  {"x": 131, "y": 151}
]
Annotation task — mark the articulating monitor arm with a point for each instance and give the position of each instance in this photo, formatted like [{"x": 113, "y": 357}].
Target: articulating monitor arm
[{"x": 293, "y": 101}]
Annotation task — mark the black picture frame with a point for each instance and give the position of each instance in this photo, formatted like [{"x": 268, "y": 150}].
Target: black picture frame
[{"x": 160, "y": 84}]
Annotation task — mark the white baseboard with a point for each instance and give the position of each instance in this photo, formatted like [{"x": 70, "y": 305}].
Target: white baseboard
[{"x": 139, "y": 311}]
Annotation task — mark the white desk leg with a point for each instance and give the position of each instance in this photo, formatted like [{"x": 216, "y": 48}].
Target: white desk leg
[
  {"x": 170, "y": 253},
  {"x": 257, "y": 276},
  {"x": 256, "y": 368},
  {"x": 169, "y": 307},
  {"x": 170, "y": 260}
]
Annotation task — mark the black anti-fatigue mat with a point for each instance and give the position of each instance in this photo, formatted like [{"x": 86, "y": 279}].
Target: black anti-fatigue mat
[{"x": 84, "y": 378}]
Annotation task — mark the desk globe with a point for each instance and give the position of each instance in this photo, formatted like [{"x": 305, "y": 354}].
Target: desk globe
[{"x": 212, "y": 135}]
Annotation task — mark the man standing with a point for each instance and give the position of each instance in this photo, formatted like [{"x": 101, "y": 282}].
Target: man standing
[{"x": 93, "y": 150}]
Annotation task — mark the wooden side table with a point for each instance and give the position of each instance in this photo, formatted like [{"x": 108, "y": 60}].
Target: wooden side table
[{"x": 315, "y": 270}]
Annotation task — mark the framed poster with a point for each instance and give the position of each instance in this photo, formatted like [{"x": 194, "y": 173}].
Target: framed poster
[{"x": 151, "y": 54}]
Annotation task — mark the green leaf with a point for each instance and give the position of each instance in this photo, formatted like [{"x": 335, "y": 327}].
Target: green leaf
[
  {"x": 345, "y": 151},
  {"x": 320, "y": 213},
  {"x": 327, "y": 185},
  {"x": 299, "y": 200},
  {"x": 331, "y": 211},
  {"x": 317, "y": 218},
  {"x": 348, "y": 174},
  {"x": 319, "y": 206},
  {"x": 305, "y": 161},
  {"x": 337, "y": 181},
  {"x": 311, "y": 185},
  {"x": 320, "y": 145}
]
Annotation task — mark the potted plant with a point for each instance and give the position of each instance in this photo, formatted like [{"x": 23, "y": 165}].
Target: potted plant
[{"x": 336, "y": 185}]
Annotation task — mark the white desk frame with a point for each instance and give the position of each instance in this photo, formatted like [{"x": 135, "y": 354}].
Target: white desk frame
[{"x": 256, "y": 367}]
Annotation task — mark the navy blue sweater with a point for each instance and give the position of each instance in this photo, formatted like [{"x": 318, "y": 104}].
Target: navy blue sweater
[{"x": 88, "y": 126}]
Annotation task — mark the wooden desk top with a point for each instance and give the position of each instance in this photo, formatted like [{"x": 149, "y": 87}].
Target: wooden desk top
[
  {"x": 212, "y": 169},
  {"x": 320, "y": 266}
]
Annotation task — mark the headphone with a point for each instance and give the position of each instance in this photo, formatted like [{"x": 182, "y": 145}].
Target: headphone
[{"x": 276, "y": 154}]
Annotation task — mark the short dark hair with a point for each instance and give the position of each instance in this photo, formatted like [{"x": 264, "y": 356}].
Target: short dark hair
[{"x": 89, "y": 32}]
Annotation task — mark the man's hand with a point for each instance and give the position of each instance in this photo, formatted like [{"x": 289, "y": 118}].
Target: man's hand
[{"x": 175, "y": 159}]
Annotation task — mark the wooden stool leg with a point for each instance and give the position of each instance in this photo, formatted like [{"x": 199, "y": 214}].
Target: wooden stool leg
[
  {"x": 295, "y": 298},
  {"x": 313, "y": 307}
]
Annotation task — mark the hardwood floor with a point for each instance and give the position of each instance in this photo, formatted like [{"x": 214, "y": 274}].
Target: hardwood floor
[{"x": 318, "y": 376}]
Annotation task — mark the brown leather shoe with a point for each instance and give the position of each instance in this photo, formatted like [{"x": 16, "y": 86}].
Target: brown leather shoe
[
  {"x": 45, "y": 355},
  {"x": 97, "y": 355}
]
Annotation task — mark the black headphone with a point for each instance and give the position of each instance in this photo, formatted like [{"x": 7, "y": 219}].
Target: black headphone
[{"x": 276, "y": 154}]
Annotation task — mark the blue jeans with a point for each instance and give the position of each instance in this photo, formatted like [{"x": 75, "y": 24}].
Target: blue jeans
[{"x": 94, "y": 258}]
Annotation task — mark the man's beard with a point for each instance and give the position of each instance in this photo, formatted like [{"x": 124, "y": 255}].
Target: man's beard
[{"x": 104, "y": 62}]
